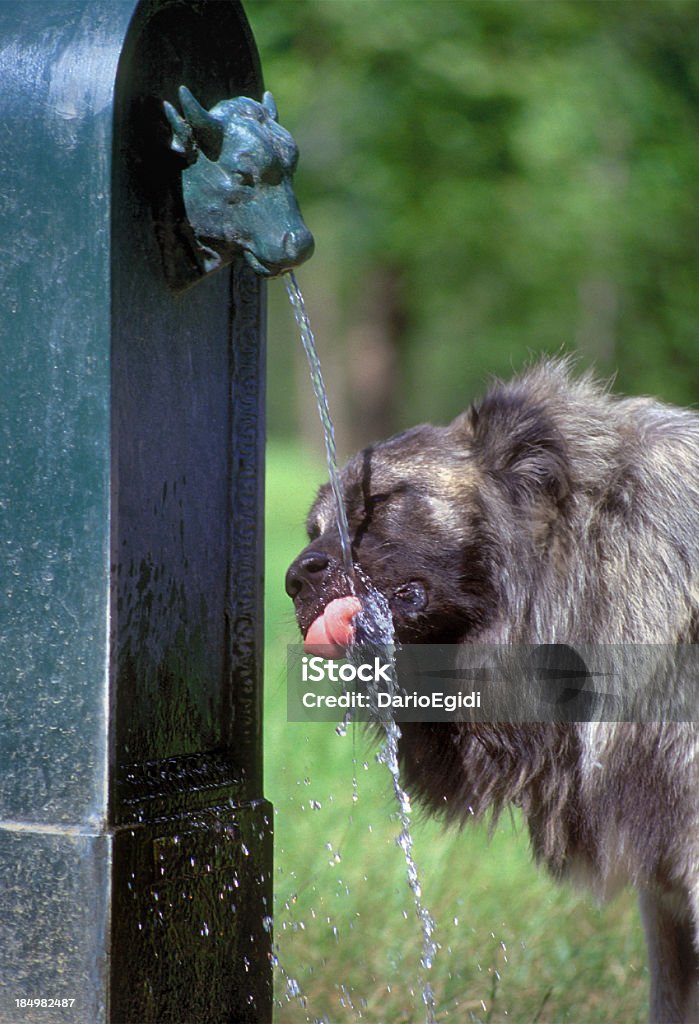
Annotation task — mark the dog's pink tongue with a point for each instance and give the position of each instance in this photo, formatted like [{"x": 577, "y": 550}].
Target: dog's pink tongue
[{"x": 332, "y": 631}]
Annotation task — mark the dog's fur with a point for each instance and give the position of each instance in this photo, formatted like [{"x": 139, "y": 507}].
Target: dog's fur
[{"x": 550, "y": 512}]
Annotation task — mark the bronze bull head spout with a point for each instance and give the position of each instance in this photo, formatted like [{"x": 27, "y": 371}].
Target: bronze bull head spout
[{"x": 236, "y": 183}]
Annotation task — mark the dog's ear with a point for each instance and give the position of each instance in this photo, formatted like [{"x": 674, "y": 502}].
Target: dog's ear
[{"x": 515, "y": 440}]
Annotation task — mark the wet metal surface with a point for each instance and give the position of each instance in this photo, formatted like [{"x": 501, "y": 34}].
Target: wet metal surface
[{"x": 135, "y": 845}]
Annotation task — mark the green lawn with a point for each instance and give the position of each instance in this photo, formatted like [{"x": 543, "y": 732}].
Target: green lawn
[{"x": 513, "y": 946}]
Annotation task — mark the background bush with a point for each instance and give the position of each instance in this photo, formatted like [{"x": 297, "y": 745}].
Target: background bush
[{"x": 486, "y": 181}]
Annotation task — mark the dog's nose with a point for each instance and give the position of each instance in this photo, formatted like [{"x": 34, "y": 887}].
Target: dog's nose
[{"x": 307, "y": 566}]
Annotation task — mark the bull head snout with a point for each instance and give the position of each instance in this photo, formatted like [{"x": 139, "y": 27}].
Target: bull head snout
[
  {"x": 236, "y": 185},
  {"x": 298, "y": 246},
  {"x": 269, "y": 256}
]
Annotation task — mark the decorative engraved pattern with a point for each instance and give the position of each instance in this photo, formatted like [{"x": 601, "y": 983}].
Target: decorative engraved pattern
[
  {"x": 155, "y": 789},
  {"x": 247, "y": 520}
]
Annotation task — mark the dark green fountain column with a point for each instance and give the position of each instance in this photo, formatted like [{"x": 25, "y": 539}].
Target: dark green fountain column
[{"x": 135, "y": 845}]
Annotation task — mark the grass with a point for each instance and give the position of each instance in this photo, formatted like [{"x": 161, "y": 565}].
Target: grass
[{"x": 513, "y": 946}]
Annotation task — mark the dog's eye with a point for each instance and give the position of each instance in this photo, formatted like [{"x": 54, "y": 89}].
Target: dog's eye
[
  {"x": 377, "y": 499},
  {"x": 413, "y": 595}
]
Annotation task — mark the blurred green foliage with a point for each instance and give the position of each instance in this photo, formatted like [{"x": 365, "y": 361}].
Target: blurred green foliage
[
  {"x": 510, "y": 178},
  {"x": 486, "y": 181}
]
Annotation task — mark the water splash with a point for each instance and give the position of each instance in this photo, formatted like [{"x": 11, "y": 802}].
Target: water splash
[
  {"x": 292, "y": 989},
  {"x": 374, "y": 630},
  {"x": 309, "y": 346}
]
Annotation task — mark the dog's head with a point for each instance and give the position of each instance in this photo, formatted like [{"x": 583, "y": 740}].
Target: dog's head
[
  {"x": 415, "y": 526},
  {"x": 435, "y": 517}
]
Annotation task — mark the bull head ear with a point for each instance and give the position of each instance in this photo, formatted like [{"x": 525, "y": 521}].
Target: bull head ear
[
  {"x": 182, "y": 138},
  {"x": 207, "y": 131},
  {"x": 270, "y": 106}
]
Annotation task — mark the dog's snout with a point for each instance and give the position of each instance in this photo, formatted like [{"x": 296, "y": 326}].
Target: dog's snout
[{"x": 307, "y": 567}]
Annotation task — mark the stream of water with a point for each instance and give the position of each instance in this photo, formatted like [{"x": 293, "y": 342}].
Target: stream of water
[
  {"x": 309, "y": 347},
  {"x": 374, "y": 628}
]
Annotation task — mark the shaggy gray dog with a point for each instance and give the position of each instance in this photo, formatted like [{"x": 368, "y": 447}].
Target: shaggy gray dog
[{"x": 549, "y": 513}]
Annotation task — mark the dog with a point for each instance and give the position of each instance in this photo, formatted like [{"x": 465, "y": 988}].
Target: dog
[{"x": 551, "y": 512}]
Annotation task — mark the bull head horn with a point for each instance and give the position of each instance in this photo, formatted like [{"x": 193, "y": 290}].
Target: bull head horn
[
  {"x": 270, "y": 106},
  {"x": 206, "y": 129}
]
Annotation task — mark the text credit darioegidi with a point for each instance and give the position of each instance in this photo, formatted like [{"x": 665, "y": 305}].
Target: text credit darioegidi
[{"x": 315, "y": 669}]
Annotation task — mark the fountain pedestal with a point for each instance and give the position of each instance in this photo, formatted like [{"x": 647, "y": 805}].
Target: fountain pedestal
[{"x": 135, "y": 844}]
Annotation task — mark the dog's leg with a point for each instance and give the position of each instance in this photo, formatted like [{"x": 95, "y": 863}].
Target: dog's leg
[{"x": 673, "y": 963}]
